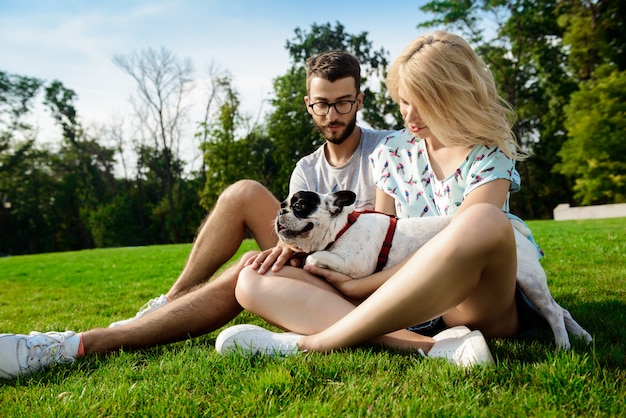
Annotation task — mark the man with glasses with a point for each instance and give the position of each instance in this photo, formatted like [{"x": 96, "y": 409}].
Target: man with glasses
[
  {"x": 188, "y": 309},
  {"x": 342, "y": 107}
]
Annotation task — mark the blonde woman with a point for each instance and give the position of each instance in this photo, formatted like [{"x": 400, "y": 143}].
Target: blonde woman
[{"x": 456, "y": 157}]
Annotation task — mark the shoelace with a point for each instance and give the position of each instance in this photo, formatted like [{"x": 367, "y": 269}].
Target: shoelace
[
  {"x": 149, "y": 305},
  {"x": 43, "y": 349}
]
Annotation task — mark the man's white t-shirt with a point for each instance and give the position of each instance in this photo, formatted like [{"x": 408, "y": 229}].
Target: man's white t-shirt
[{"x": 314, "y": 173}]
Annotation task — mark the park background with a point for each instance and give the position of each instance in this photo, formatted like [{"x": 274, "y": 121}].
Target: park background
[
  {"x": 72, "y": 177},
  {"x": 150, "y": 174}
]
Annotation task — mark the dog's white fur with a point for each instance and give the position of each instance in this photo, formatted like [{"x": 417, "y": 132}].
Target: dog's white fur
[{"x": 311, "y": 224}]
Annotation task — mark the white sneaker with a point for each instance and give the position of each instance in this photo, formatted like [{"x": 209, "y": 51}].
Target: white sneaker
[
  {"x": 251, "y": 339},
  {"x": 22, "y": 355},
  {"x": 151, "y": 306},
  {"x": 454, "y": 332},
  {"x": 466, "y": 351}
]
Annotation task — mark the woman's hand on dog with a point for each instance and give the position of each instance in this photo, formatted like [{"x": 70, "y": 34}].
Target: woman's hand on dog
[
  {"x": 342, "y": 282},
  {"x": 355, "y": 289}
]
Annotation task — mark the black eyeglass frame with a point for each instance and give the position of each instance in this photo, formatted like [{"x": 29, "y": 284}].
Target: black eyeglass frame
[{"x": 352, "y": 102}]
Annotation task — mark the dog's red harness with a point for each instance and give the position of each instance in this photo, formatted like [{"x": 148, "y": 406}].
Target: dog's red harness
[{"x": 383, "y": 256}]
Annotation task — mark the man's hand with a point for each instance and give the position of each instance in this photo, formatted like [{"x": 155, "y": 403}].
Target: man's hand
[{"x": 274, "y": 258}]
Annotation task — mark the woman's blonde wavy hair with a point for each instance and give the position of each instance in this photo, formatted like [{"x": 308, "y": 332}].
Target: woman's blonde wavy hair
[{"x": 454, "y": 93}]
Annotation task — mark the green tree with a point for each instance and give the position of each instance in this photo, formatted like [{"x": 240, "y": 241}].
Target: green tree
[
  {"x": 595, "y": 153},
  {"x": 26, "y": 185},
  {"x": 29, "y": 207},
  {"x": 17, "y": 95},
  {"x": 595, "y": 34},
  {"x": 592, "y": 156},
  {"x": 221, "y": 147},
  {"x": 233, "y": 150},
  {"x": 83, "y": 167},
  {"x": 46, "y": 195},
  {"x": 153, "y": 201},
  {"x": 163, "y": 83}
]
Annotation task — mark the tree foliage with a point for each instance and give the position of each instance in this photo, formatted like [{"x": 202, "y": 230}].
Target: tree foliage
[
  {"x": 48, "y": 194},
  {"x": 595, "y": 153},
  {"x": 232, "y": 149},
  {"x": 163, "y": 82}
]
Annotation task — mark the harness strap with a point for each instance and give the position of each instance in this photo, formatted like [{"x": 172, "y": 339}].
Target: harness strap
[{"x": 383, "y": 256}]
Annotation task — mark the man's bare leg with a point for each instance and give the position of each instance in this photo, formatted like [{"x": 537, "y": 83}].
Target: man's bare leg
[
  {"x": 198, "y": 312},
  {"x": 245, "y": 205}
]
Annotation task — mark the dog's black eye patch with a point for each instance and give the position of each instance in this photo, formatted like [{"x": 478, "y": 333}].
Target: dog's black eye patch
[{"x": 304, "y": 203}]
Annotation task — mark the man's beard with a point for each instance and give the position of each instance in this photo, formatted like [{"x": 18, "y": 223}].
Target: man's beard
[{"x": 337, "y": 138}]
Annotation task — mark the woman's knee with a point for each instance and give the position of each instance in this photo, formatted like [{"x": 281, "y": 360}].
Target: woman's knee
[
  {"x": 249, "y": 287},
  {"x": 488, "y": 224}
]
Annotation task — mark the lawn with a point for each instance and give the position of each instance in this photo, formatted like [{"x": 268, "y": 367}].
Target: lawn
[{"x": 80, "y": 290}]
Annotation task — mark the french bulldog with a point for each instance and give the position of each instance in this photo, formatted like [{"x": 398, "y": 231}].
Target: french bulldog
[{"x": 360, "y": 243}]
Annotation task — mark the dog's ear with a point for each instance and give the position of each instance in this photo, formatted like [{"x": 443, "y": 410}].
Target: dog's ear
[{"x": 342, "y": 199}]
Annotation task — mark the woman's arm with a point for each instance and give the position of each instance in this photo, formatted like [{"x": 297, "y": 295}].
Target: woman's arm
[
  {"x": 494, "y": 192},
  {"x": 354, "y": 289},
  {"x": 361, "y": 288},
  {"x": 385, "y": 203}
]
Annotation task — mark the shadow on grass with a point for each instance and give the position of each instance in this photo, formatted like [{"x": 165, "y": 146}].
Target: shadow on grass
[{"x": 604, "y": 320}]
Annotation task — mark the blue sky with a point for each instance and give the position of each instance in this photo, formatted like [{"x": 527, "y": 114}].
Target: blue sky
[{"x": 74, "y": 41}]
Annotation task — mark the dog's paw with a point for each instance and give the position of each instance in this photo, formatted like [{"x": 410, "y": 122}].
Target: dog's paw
[{"x": 312, "y": 260}]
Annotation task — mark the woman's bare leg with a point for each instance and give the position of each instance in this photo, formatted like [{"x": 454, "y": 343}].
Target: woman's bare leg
[
  {"x": 295, "y": 300},
  {"x": 466, "y": 273}
]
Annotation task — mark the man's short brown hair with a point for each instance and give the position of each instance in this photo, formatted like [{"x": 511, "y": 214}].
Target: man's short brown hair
[{"x": 333, "y": 66}]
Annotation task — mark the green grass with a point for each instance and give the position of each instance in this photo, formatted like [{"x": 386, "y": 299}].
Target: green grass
[{"x": 79, "y": 290}]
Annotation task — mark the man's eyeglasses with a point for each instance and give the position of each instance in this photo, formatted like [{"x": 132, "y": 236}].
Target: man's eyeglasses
[{"x": 342, "y": 107}]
